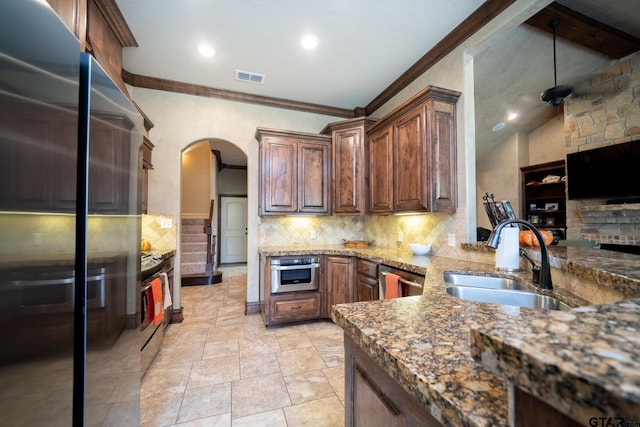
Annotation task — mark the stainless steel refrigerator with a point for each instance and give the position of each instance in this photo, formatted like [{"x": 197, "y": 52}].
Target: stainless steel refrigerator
[{"x": 69, "y": 230}]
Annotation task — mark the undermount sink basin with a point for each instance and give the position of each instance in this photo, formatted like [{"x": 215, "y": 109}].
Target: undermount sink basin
[
  {"x": 506, "y": 297},
  {"x": 489, "y": 282}
]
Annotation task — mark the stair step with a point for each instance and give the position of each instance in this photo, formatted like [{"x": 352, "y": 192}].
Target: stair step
[
  {"x": 193, "y": 238},
  {"x": 193, "y": 247},
  {"x": 193, "y": 257},
  {"x": 193, "y": 229},
  {"x": 193, "y": 268},
  {"x": 201, "y": 279},
  {"x": 193, "y": 221}
]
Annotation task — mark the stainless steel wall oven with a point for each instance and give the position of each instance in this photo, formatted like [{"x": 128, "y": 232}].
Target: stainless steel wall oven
[{"x": 294, "y": 274}]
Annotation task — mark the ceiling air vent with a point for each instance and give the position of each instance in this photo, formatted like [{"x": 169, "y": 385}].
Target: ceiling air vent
[{"x": 248, "y": 76}]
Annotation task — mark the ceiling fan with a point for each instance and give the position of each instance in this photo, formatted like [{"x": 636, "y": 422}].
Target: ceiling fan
[{"x": 556, "y": 94}]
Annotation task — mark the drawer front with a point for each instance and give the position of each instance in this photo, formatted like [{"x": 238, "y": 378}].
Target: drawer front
[
  {"x": 296, "y": 307},
  {"x": 368, "y": 268}
]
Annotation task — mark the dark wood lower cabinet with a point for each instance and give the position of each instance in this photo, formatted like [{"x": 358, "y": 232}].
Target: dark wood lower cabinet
[
  {"x": 529, "y": 411},
  {"x": 295, "y": 306},
  {"x": 373, "y": 398},
  {"x": 366, "y": 286}
]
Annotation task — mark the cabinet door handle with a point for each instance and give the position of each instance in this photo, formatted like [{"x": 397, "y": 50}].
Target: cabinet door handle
[{"x": 296, "y": 308}]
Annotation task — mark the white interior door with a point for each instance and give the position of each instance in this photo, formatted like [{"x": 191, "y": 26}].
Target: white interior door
[{"x": 233, "y": 232}]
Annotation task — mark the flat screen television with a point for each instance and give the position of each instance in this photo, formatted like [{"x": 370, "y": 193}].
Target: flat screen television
[{"x": 611, "y": 172}]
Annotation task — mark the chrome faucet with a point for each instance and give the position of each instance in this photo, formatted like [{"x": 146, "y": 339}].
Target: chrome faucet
[{"x": 543, "y": 278}]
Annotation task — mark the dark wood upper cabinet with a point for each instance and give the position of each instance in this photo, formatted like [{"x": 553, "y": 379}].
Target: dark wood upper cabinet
[
  {"x": 294, "y": 172},
  {"x": 350, "y": 156},
  {"x": 409, "y": 159},
  {"x": 413, "y": 155},
  {"x": 381, "y": 170},
  {"x": 101, "y": 30}
]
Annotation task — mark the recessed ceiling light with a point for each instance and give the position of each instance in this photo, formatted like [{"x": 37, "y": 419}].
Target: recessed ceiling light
[
  {"x": 512, "y": 116},
  {"x": 205, "y": 50},
  {"x": 309, "y": 42},
  {"x": 498, "y": 127}
]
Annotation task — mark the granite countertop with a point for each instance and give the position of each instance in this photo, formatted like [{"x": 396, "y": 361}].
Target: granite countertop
[
  {"x": 585, "y": 363},
  {"x": 423, "y": 343},
  {"x": 426, "y": 342}
]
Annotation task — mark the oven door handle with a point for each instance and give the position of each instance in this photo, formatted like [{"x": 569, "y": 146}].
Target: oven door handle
[{"x": 295, "y": 267}]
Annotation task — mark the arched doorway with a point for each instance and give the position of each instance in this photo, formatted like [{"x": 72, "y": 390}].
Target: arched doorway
[{"x": 213, "y": 188}]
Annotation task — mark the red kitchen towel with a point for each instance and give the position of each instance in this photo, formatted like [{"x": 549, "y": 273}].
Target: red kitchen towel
[
  {"x": 393, "y": 289},
  {"x": 156, "y": 290}
]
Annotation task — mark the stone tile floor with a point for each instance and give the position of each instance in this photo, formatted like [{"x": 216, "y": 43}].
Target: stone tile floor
[{"x": 220, "y": 368}]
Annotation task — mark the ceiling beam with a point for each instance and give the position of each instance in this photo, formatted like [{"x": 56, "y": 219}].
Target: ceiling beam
[{"x": 585, "y": 31}]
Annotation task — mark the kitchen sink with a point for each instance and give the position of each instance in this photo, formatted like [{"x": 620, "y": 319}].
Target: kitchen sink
[
  {"x": 506, "y": 297},
  {"x": 490, "y": 282}
]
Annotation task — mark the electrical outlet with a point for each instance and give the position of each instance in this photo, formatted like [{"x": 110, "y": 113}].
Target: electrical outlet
[
  {"x": 166, "y": 223},
  {"x": 400, "y": 236},
  {"x": 451, "y": 239},
  {"x": 313, "y": 234}
]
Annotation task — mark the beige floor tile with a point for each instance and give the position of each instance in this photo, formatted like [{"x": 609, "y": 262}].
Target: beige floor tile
[
  {"x": 254, "y": 395},
  {"x": 307, "y": 386},
  {"x": 205, "y": 401},
  {"x": 261, "y": 365},
  {"x": 178, "y": 355},
  {"x": 332, "y": 356},
  {"x": 226, "y": 332},
  {"x": 299, "y": 360},
  {"x": 171, "y": 379},
  {"x": 222, "y": 420},
  {"x": 161, "y": 409},
  {"x": 253, "y": 346},
  {"x": 273, "y": 418},
  {"x": 327, "y": 412},
  {"x": 336, "y": 379},
  {"x": 218, "y": 356},
  {"x": 214, "y": 371},
  {"x": 222, "y": 348},
  {"x": 291, "y": 341}
]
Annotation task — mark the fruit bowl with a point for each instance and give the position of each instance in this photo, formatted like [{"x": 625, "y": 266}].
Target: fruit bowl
[{"x": 419, "y": 249}]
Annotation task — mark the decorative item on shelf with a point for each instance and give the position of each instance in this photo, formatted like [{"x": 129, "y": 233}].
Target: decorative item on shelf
[
  {"x": 550, "y": 221},
  {"x": 533, "y": 207},
  {"x": 551, "y": 206},
  {"x": 534, "y": 219},
  {"x": 497, "y": 211}
]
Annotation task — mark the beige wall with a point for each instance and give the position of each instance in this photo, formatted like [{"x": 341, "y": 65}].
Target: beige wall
[
  {"x": 547, "y": 143},
  {"x": 196, "y": 180}
]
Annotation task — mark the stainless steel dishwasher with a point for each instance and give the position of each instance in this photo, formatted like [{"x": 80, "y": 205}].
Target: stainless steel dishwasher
[{"x": 410, "y": 283}]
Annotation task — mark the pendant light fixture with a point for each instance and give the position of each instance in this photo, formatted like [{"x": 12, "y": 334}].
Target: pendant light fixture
[{"x": 556, "y": 94}]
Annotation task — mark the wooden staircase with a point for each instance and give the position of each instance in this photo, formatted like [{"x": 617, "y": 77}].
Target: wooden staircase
[{"x": 197, "y": 262}]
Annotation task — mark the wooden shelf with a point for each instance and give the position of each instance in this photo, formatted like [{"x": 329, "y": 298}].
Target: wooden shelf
[{"x": 543, "y": 193}]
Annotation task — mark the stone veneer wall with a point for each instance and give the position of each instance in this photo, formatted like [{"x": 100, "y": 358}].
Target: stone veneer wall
[{"x": 606, "y": 112}]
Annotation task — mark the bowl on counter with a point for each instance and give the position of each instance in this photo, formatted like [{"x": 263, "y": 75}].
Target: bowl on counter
[{"x": 419, "y": 249}]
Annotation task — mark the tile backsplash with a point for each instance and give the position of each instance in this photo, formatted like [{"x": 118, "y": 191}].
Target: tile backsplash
[
  {"x": 298, "y": 230},
  {"x": 430, "y": 229},
  {"x": 161, "y": 238}
]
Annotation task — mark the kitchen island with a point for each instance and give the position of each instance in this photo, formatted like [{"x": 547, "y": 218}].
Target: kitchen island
[{"x": 427, "y": 344}]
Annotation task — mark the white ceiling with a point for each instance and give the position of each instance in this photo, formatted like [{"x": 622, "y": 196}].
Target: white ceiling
[{"x": 364, "y": 46}]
